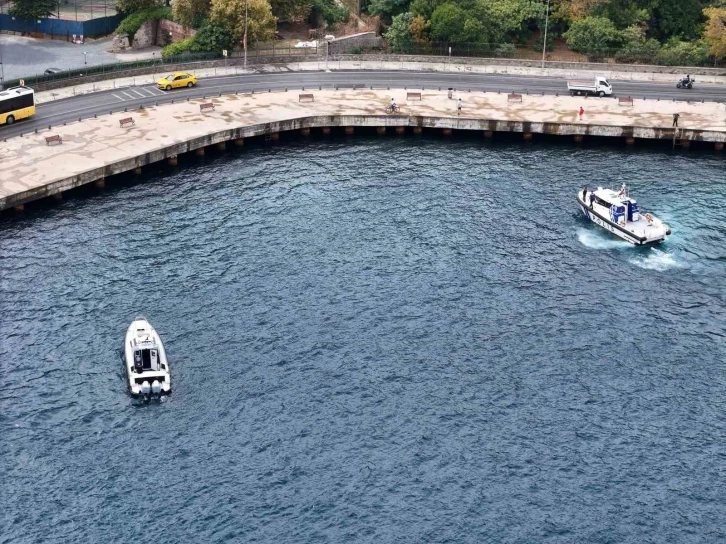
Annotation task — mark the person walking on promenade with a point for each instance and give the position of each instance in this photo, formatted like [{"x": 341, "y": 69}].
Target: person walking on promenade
[
  {"x": 675, "y": 119},
  {"x": 458, "y": 107},
  {"x": 581, "y": 112}
]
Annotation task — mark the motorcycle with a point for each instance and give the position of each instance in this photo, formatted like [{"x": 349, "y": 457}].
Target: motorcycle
[{"x": 685, "y": 84}]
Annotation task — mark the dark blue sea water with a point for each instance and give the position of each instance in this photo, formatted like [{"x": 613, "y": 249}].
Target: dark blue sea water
[{"x": 371, "y": 341}]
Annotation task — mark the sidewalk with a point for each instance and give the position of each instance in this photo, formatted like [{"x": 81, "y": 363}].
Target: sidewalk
[
  {"x": 96, "y": 148},
  {"x": 444, "y": 67}
]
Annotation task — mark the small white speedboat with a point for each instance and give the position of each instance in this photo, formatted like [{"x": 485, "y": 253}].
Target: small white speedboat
[
  {"x": 618, "y": 213},
  {"x": 146, "y": 365}
]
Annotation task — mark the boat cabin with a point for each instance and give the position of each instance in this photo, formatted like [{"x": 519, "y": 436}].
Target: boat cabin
[
  {"x": 146, "y": 358},
  {"x": 619, "y": 207}
]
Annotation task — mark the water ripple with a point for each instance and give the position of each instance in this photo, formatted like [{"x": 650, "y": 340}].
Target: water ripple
[{"x": 377, "y": 341}]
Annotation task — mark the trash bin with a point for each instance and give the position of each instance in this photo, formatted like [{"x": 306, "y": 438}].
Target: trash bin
[{"x": 451, "y": 92}]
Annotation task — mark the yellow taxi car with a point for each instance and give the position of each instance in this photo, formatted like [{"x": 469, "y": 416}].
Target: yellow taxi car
[{"x": 176, "y": 80}]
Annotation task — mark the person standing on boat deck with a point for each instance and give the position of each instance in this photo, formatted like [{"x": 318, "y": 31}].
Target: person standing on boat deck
[
  {"x": 584, "y": 194},
  {"x": 675, "y": 119},
  {"x": 592, "y": 199}
]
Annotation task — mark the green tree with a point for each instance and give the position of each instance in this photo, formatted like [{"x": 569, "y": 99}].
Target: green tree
[
  {"x": 636, "y": 48},
  {"x": 231, "y": 14},
  {"x": 387, "y": 8},
  {"x": 32, "y": 9},
  {"x": 624, "y": 13},
  {"x": 213, "y": 37},
  {"x": 130, "y": 6},
  {"x": 291, "y": 10},
  {"x": 425, "y": 8},
  {"x": 399, "y": 35},
  {"x": 507, "y": 20},
  {"x": 191, "y": 13},
  {"x": 451, "y": 23},
  {"x": 677, "y": 18},
  {"x": 330, "y": 12},
  {"x": 593, "y": 36}
]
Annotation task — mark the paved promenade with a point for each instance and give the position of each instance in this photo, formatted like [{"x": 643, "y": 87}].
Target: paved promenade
[{"x": 95, "y": 148}]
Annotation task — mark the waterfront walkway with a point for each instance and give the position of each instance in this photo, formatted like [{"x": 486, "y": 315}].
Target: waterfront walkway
[{"x": 96, "y": 148}]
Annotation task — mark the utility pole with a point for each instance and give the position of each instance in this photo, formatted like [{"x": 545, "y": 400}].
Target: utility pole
[
  {"x": 2, "y": 69},
  {"x": 245, "y": 38},
  {"x": 544, "y": 42}
]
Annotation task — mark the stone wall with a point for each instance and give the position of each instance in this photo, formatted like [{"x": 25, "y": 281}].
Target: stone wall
[
  {"x": 146, "y": 35},
  {"x": 363, "y": 41},
  {"x": 516, "y": 63},
  {"x": 171, "y": 32}
]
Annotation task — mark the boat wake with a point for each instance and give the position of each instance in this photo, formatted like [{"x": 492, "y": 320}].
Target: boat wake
[
  {"x": 655, "y": 259},
  {"x": 594, "y": 240}
]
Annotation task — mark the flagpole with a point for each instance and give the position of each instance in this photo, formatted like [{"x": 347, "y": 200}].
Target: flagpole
[{"x": 245, "y": 38}]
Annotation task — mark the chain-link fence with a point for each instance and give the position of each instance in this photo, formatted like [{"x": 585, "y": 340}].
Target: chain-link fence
[
  {"x": 75, "y": 10},
  {"x": 76, "y": 76},
  {"x": 685, "y": 55}
]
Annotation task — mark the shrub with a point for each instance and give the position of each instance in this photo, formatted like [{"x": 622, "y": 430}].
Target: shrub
[
  {"x": 677, "y": 53},
  {"x": 505, "y": 50},
  {"x": 178, "y": 48},
  {"x": 131, "y": 24},
  {"x": 330, "y": 11},
  {"x": 641, "y": 52}
]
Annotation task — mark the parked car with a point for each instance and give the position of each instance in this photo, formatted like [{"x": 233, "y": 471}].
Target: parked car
[
  {"x": 176, "y": 80},
  {"x": 51, "y": 71}
]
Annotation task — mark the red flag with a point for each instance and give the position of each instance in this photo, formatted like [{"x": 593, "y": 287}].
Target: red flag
[{"x": 244, "y": 41}]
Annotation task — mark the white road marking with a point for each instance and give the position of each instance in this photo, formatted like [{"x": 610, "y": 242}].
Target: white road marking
[
  {"x": 153, "y": 91},
  {"x": 137, "y": 92},
  {"x": 127, "y": 94},
  {"x": 117, "y": 96}
]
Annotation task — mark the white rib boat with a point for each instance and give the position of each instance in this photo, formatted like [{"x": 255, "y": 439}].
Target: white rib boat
[
  {"x": 618, "y": 213},
  {"x": 146, "y": 365}
]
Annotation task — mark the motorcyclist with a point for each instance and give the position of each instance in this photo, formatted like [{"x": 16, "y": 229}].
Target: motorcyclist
[{"x": 687, "y": 79}]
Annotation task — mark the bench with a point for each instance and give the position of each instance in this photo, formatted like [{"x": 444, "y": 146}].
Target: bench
[
  {"x": 126, "y": 122},
  {"x": 413, "y": 96},
  {"x": 514, "y": 97},
  {"x": 625, "y": 101},
  {"x": 206, "y": 106},
  {"x": 306, "y": 98},
  {"x": 51, "y": 139}
]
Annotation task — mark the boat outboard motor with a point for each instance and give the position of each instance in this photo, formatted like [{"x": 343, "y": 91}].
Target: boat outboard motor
[
  {"x": 155, "y": 387},
  {"x": 145, "y": 388}
]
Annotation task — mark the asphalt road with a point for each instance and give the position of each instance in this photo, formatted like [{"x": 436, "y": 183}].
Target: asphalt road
[{"x": 83, "y": 106}]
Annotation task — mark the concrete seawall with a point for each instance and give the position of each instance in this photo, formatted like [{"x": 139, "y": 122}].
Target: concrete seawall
[{"x": 97, "y": 148}]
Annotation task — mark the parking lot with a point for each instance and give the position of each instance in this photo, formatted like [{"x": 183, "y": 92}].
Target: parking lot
[{"x": 25, "y": 57}]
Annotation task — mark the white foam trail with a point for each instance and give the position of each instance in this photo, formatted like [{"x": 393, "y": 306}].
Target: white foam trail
[
  {"x": 595, "y": 240},
  {"x": 655, "y": 259}
]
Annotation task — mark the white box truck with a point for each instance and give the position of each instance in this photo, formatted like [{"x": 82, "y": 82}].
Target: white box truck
[{"x": 597, "y": 86}]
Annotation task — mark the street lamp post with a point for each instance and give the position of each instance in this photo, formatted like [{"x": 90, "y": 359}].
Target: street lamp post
[
  {"x": 245, "y": 38},
  {"x": 544, "y": 42},
  {"x": 2, "y": 69}
]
